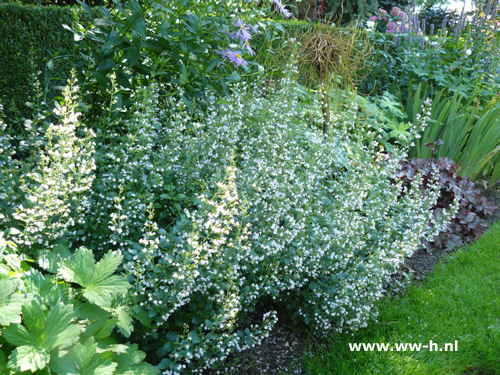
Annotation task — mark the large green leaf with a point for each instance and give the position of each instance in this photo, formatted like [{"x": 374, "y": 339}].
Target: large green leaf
[
  {"x": 51, "y": 260},
  {"x": 82, "y": 359},
  {"x": 99, "y": 287},
  {"x": 130, "y": 363},
  {"x": 3, "y": 362},
  {"x": 18, "y": 335},
  {"x": 29, "y": 358},
  {"x": 36, "y": 284},
  {"x": 44, "y": 332},
  {"x": 59, "y": 332},
  {"x": 124, "y": 322},
  {"x": 11, "y": 303},
  {"x": 100, "y": 329},
  {"x": 34, "y": 318}
]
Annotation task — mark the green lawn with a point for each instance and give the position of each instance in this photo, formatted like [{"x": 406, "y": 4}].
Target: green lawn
[{"x": 460, "y": 301}]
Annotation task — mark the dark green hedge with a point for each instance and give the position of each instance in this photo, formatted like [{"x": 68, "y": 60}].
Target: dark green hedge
[
  {"x": 61, "y": 3},
  {"x": 292, "y": 28},
  {"x": 29, "y": 38}
]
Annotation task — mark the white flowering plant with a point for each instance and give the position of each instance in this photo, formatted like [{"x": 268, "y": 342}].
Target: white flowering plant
[{"x": 241, "y": 211}]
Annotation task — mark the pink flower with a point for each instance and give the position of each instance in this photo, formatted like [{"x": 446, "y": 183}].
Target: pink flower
[
  {"x": 395, "y": 11},
  {"x": 391, "y": 26},
  {"x": 373, "y": 18}
]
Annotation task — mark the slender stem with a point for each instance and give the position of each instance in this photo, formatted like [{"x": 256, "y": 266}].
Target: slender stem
[{"x": 325, "y": 108}]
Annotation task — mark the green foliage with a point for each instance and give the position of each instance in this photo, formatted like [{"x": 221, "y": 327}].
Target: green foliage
[
  {"x": 99, "y": 286},
  {"x": 350, "y": 10},
  {"x": 385, "y": 114},
  {"x": 210, "y": 227},
  {"x": 60, "y": 3},
  {"x": 389, "y": 4},
  {"x": 176, "y": 42},
  {"x": 470, "y": 134},
  {"x": 467, "y": 61},
  {"x": 46, "y": 327},
  {"x": 284, "y": 31},
  {"x": 214, "y": 208},
  {"x": 396, "y": 65},
  {"x": 436, "y": 15}
]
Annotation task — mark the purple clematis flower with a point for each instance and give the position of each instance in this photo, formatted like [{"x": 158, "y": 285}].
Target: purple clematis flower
[
  {"x": 223, "y": 53},
  {"x": 285, "y": 12},
  {"x": 243, "y": 32},
  {"x": 248, "y": 47},
  {"x": 235, "y": 57}
]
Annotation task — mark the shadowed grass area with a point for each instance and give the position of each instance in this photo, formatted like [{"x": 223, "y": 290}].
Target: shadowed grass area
[{"x": 460, "y": 301}]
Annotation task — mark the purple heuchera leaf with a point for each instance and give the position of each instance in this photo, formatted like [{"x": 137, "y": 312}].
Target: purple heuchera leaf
[{"x": 469, "y": 222}]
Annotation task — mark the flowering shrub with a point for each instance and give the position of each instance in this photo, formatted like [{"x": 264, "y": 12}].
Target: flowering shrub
[
  {"x": 224, "y": 214},
  {"x": 59, "y": 184},
  {"x": 391, "y": 23}
]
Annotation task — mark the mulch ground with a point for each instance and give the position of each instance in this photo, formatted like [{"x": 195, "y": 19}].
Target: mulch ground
[{"x": 282, "y": 351}]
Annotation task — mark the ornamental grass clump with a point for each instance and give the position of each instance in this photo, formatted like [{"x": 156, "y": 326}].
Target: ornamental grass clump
[{"x": 333, "y": 59}]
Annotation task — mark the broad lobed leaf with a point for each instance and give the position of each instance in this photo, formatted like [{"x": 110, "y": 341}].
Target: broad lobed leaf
[{"x": 11, "y": 303}]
